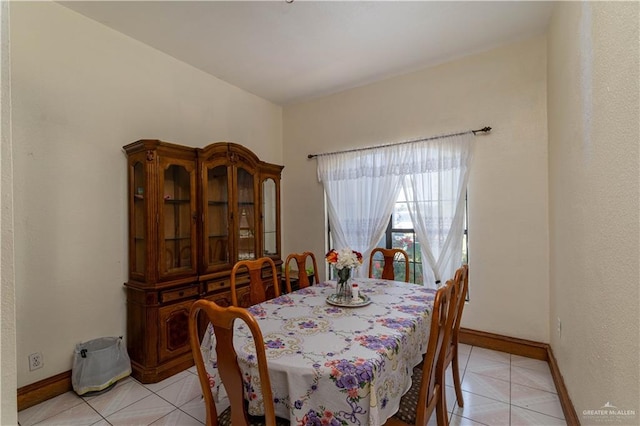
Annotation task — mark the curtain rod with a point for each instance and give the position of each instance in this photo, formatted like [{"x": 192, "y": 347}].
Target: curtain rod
[{"x": 484, "y": 130}]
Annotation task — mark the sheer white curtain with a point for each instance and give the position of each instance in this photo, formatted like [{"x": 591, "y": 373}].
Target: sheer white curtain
[
  {"x": 361, "y": 189},
  {"x": 436, "y": 182}
]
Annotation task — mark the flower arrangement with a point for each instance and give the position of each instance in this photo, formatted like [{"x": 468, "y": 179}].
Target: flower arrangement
[{"x": 344, "y": 258}]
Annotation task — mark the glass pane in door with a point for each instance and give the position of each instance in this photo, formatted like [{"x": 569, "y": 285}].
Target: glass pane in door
[
  {"x": 217, "y": 220},
  {"x": 177, "y": 219},
  {"x": 138, "y": 229},
  {"x": 269, "y": 218},
  {"x": 246, "y": 216}
]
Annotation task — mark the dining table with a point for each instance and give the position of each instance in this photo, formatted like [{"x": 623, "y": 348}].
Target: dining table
[{"x": 329, "y": 362}]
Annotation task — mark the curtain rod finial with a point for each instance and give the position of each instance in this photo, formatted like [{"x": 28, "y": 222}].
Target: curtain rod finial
[{"x": 484, "y": 129}]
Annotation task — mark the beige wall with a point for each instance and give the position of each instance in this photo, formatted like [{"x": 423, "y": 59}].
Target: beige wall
[
  {"x": 80, "y": 92},
  {"x": 504, "y": 88},
  {"x": 8, "y": 382},
  {"x": 593, "y": 109}
]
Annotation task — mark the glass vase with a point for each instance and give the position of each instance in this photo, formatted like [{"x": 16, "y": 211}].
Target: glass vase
[{"x": 343, "y": 286}]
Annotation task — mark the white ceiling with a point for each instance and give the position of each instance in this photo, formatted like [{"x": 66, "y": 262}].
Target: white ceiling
[{"x": 291, "y": 52}]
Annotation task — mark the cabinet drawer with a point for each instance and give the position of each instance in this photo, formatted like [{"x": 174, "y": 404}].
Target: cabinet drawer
[
  {"x": 218, "y": 285},
  {"x": 222, "y": 299},
  {"x": 177, "y": 294}
]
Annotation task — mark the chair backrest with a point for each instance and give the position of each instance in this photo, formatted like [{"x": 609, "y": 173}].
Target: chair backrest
[
  {"x": 258, "y": 284},
  {"x": 222, "y": 320},
  {"x": 461, "y": 282},
  {"x": 301, "y": 260},
  {"x": 390, "y": 255},
  {"x": 432, "y": 385}
]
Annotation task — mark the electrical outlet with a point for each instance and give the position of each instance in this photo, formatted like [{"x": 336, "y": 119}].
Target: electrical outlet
[
  {"x": 559, "y": 328},
  {"x": 35, "y": 361}
]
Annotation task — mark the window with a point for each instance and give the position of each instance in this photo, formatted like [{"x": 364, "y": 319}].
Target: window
[
  {"x": 361, "y": 187},
  {"x": 400, "y": 234}
]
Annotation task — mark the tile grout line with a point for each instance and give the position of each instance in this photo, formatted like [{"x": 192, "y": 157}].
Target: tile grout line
[
  {"x": 122, "y": 408},
  {"x": 135, "y": 402},
  {"x": 462, "y": 380},
  {"x": 510, "y": 387},
  {"x": 174, "y": 405},
  {"x": 101, "y": 416},
  {"x": 541, "y": 413},
  {"x": 511, "y": 405},
  {"x": 152, "y": 392},
  {"x": 169, "y": 402}
]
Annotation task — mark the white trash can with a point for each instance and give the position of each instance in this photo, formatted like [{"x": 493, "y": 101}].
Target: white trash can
[{"x": 98, "y": 364}]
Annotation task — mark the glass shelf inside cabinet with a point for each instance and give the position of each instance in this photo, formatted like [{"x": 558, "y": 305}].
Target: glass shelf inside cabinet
[
  {"x": 217, "y": 216},
  {"x": 246, "y": 237},
  {"x": 246, "y": 216}
]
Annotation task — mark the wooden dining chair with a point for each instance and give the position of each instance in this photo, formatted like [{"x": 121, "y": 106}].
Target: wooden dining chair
[
  {"x": 427, "y": 392},
  {"x": 461, "y": 283},
  {"x": 301, "y": 261},
  {"x": 259, "y": 285},
  {"x": 390, "y": 256},
  {"x": 222, "y": 320}
]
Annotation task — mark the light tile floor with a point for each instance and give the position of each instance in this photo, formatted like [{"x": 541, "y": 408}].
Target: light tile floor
[{"x": 498, "y": 388}]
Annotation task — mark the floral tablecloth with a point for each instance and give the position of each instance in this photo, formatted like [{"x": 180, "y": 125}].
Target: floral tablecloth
[{"x": 333, "y": 365}]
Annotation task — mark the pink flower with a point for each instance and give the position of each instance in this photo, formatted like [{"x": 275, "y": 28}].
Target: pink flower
[{"x": 212, "y": 381}]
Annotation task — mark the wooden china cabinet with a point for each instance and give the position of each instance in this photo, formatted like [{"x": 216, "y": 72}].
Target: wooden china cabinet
[{"x": 193, "y": 213}]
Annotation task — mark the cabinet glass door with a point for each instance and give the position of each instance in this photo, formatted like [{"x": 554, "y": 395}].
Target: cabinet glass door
[
  {"x": 246, "y": 215},
  {"x": 138, "y": 222},
  {"x": 216, "y": 220},
  {"x": 177, "y": 219},
  {"x": 269, "y": 222}
]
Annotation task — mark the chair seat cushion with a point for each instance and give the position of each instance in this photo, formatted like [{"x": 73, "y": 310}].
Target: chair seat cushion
[
  {"x": 409, "y": 401},
  {"x": 224, "y": 419}
]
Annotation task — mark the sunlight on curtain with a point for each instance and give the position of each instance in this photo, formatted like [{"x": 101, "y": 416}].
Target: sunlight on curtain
[
  {"x": 435, "y": 187},
  {"x": 361, "y": 190}
]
